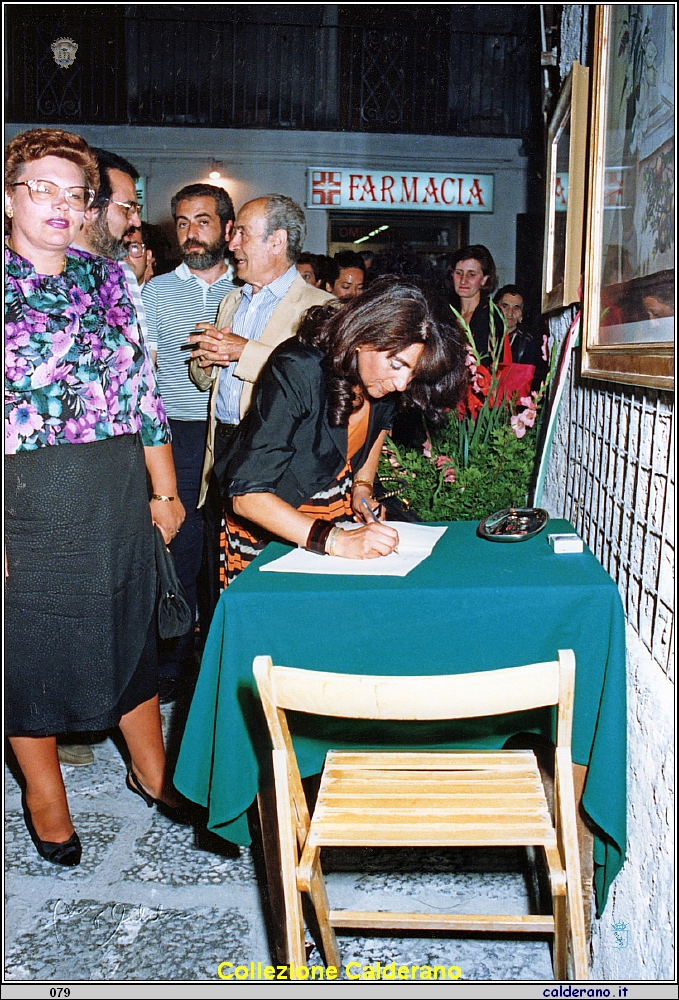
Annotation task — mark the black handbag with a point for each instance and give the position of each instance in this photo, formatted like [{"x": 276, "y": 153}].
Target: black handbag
[
  {"x": 396, "y": 508},
  {"x": 174, "y": 613}
]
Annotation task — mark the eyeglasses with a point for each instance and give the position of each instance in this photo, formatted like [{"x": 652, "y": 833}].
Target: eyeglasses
[
  {"x": 131, "y": 207},
  {"x": 45, "y": 193},
  {"x": 136, "y": 249}
]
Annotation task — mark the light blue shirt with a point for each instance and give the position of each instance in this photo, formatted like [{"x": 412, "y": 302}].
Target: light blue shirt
[{"x": 251, "y": 317}]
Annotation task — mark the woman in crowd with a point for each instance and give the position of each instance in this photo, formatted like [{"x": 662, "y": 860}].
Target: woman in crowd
[
  {"x": 84, "y": 426},
  {"x": 308, "y": 451},
  {"x": 474, "y": 278},
  {"x": 524, "y": 337}
]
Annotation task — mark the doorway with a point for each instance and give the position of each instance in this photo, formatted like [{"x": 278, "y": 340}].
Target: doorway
[{"x": 435, "y": 235}]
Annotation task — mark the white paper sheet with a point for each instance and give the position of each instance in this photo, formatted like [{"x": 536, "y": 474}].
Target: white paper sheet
[{"x": 415, "y": 543}]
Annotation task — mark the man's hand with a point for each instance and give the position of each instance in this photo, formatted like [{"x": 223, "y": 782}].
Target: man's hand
[{"x": 215, "y": 347}]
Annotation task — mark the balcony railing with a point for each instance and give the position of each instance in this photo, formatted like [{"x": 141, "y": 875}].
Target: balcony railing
[{"x": 151, "y": 71}]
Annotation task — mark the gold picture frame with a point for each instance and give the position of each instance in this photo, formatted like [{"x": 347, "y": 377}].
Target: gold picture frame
[
  {"x": 628, "y": 307},
  {"x": 566, "y": 166}
]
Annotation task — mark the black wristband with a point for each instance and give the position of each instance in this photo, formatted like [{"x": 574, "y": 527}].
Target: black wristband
[{"x": 318, "y": 536}]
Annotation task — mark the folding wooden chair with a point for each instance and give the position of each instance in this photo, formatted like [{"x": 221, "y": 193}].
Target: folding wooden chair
[{"x": 413, "y": 799}]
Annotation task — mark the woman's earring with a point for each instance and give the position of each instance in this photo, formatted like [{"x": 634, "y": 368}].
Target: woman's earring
[{"x": 9, "y": 212}]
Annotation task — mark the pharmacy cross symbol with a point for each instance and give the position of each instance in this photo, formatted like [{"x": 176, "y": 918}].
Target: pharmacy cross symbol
[{"x": 326, "y": 188}]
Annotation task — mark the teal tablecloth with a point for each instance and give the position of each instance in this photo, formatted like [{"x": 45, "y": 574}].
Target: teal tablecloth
[{"x": 472, "y": 605}]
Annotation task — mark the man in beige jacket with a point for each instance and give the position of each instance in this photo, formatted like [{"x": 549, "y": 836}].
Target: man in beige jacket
[{"x": 227, "y": 359}]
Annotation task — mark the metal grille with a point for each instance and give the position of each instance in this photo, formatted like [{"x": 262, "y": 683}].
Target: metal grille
[
  {"x": 214, "y": 73},
  {"x": 619, "y": 494}
]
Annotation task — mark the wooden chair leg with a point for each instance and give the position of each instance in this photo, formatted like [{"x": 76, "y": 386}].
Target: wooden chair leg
[
  {"x": 319, "y": 897},
  {"x": 567, "y": 828},
  {"x": 268, "y": 833},
  {"x": 558, "y": 888},
  {"x": 560, "y": 937},
  {"x": 586, "y": 844},
  {"x": 294, "y": 921}
]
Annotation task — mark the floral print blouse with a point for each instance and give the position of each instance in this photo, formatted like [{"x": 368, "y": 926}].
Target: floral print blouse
[{"x": 76, "y": 370}]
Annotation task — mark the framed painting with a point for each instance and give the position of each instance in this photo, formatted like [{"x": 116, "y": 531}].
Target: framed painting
[
  {"x": 628, "y": 308},
  {"x": 566, "y": 167}
]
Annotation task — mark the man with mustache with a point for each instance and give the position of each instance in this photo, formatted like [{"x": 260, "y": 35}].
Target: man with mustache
[
  {"x": 175, "y": 302},
  {"x": 228, "y": 357}
]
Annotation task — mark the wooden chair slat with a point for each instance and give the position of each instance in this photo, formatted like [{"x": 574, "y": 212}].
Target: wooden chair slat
[
  {"x": 487, "y": 922},
  {"x": 449, "y": 835}
]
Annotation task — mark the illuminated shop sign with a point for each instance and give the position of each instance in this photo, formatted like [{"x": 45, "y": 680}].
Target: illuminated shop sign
[{"x": 358, "y": 188}]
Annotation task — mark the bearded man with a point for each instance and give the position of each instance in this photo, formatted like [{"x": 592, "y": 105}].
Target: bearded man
[
  {"x": 114, "y": 210},
  {"x": 175, "y": 302}
]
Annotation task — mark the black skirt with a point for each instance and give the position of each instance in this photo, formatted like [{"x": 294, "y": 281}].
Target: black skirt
[{"x": 80, "y": 596}]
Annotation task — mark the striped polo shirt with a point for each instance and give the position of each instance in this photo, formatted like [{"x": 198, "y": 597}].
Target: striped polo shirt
[
  {"x": 252, "y": 315},
  {"x": 174, "y": 303}
]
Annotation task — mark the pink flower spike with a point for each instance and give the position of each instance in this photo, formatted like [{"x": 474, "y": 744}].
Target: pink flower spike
[
  {"x": 449, "y": 475},
  {"x": 443, "y": 460},
  {"x": 426, "y": 448},
  {"x": 529, "y": 417},
  {"x": 528, "y": 401},
  {"x": 518, "y": 426}
]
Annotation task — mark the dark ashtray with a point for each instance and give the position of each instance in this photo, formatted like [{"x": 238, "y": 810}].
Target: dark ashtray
[{"x": 514, "y": 524}]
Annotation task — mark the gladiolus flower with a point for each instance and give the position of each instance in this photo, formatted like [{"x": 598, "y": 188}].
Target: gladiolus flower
[
  {"x": 481, "y": 380},
  {"x": 518, "y": 425},
  {"x": 426, "y": 448}
]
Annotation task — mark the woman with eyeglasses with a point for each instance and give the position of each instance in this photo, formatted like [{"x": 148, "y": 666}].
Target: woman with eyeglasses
[{"x": 83, "y": 422}]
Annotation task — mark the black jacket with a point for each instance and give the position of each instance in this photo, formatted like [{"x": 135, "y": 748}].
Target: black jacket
[{"x": 286, "y": 445}]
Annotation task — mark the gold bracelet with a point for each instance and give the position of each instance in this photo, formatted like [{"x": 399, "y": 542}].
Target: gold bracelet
[
  {"x": 332, "y": 538},
  {"x": 363, "y": 482},
  {"x": 159, "y": 496}
]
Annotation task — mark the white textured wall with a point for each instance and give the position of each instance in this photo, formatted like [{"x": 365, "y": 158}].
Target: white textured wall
[
  {"x": 642, "y": 896},
  {"x": 615, "y": 442}
]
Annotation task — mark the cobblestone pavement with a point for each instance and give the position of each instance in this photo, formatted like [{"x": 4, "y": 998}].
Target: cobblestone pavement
[{"x": 154, "y": 899}]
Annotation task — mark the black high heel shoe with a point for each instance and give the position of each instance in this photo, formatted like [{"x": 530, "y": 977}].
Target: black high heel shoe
[
  {"x": 68, "y": 853},
  {"x": 133, "y": 784},
  {"x": 177, "y": 810}
]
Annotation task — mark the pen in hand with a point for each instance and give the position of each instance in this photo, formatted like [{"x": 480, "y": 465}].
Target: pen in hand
[{"x": 373, "y": 516}]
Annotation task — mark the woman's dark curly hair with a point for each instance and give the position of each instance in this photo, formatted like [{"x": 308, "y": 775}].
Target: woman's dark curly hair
[{"x": 390, "y": 316}]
